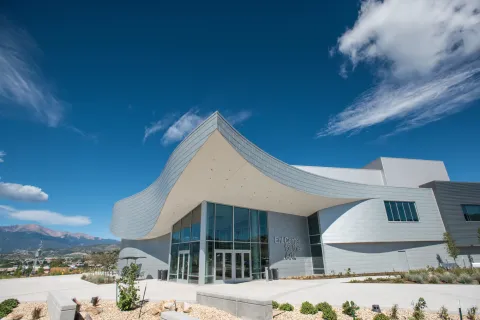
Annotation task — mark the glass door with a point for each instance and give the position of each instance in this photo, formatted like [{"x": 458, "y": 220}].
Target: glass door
[
  {"x": 183, "y": 265},
  {"x": 232, "y": 266}
]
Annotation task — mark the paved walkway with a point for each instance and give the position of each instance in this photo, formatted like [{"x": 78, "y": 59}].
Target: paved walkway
[{"x": 334, "y": 291}]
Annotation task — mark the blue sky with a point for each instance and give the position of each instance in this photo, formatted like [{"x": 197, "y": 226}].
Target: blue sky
[{"x": 94, "y": 96}]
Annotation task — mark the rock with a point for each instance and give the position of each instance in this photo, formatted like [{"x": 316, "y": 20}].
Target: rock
[
  {"x": 93, "y": 310},
  {"x": 87, "y": 317},
  {"x": 17, "y": 316},
  {"x": 187, "y": 307},
  {"x": 169, "y": 305}
]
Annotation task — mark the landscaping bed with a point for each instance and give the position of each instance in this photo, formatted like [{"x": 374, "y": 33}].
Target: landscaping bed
[
  {"x": 430, "y": 276},
  {"x": 362, "y": 313},
  {"x": 98, "y": 278},
  {"x": 107, "y": 310}
]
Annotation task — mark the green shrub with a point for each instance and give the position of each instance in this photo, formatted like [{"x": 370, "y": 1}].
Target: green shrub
[
  {"x": 128, "y": 296},
  {"x": 274, "y": 304},
  {"x": 84, "y": 276},
  {"x": 323, "y": 306},
  {"x": 329, "y": 315},
  {"x": 447, "y": 277},
  {"x": 349, "y": 308},
  {"x": 308, "y": 308},
  {"x": 394, "y": 312},
  {"x": 433, "y": 279},
  {"x": 415, "y": 277},
  {"x": 286, "y": 307},
  {"x": 398, "y": 280},
  {"x": 465, "y": 279},
  {"x": 7, "y": 306},
  {"x": 476, "y": 276},
  {"x": 418, "y": 313},
  {"x": 443, "y": 313},
  {"x": 381, "y": 316},
  {"x": 471, "y": 313}
]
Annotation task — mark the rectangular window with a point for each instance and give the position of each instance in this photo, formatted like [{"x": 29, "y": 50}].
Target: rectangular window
[
  {"x": 401, "y": 211},
  {"x": 471, "y": 212},
  {"x": 223, "y": 222},
  {"x": 186, "y": 225},
  {"x": 313, "y": 227},
  {"x": 242, "y": 225},
  {"x": 196, "y": 216},
  {"x": 210, "y": 221},
  {"x": 262, "y": 218},
  {"x": 254, "y": 225}
]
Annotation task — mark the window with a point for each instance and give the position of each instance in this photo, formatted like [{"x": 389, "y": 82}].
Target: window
[
  {"x": 315, "y": 244},
  {"x": 471, "y": 212},
  {"x": 242, "y": 227},
  {"x": 223, "y": 222},
  {"x": 401, "y": 211}
]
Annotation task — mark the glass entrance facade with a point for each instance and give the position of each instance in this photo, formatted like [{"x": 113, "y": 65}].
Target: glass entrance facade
[{"x": 236, "y": 245}]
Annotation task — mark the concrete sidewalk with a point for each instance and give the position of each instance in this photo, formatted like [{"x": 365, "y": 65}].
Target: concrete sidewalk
[{"x": 334, "y": 291}]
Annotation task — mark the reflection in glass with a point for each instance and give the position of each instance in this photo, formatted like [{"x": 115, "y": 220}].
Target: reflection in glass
[
  {"x": 186, "y": 223},
  {"x": 396, "y": 216},
  {"x": 209, "y": 259},
  {"x": 238, "y": 265},
  {"x": 196, "y": 216},
  {"x": 242, "y": 227},
  {"x": 254, "y": 225},
  {"x": 174, "y": 260},
  {"x": 262, "y": 217},
  {"x": 403, "y": 217},
  {"x": 413, "y": 210},
  {"x": 406, "y": 207},
  {"x": 185, "y": 265},
  {"x": 246, "y": 265},
  {"x": 264, "y": 256},
  {"x": 176, "y": 232},
  {"x": 223, "y": 222},
  {"x": 210, "y": 221},
  {"x": 389, "y": 211},
  {"x": 256, "y": 257},
  {"x": 228, "y": 265},
  {"x": 194, "y": 258},
  {"x": 219, "y": 266},
  {"x": 313, "y": 227}
]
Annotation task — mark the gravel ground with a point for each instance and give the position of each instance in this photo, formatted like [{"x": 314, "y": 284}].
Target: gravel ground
[
  {"x": 363, "y": 314},
  {"x": 109, "y": 311}
]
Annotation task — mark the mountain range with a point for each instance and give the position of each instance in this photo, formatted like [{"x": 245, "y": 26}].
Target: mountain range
[{"x": 29, "y": 236}]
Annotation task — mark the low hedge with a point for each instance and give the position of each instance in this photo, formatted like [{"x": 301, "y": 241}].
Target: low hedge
[{"x": 7, "y": 306}]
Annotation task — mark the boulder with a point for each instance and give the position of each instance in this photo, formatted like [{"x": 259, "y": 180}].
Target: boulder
[{"x": 187, "y": 307}]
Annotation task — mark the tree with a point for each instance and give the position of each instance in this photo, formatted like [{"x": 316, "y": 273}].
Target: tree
[
  {"x": 128, "y": 296},
  {"x": 451, "y": 246},
  {"x": 57, "y": 263}
]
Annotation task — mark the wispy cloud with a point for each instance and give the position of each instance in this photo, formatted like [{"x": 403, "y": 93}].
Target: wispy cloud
[
  {"x": 239, "y": 117},
  {"x": 2, "y": 155},
  {"x": 157, "y": 126},
  {"x": 19, "y": 192},
  {"x": 84, "y": 134},
  {"x": 425, "y": 54},
  {"x": 182, "y": 127},
  {"x": 22, "y": 85},
  {"x": 175, "y": 129},
  {"x": 45, "y": 217}
]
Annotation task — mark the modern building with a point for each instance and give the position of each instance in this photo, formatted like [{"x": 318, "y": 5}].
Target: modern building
[{"x": 223, "y": 210}]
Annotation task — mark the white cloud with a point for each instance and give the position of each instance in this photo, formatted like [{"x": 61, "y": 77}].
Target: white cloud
[
  {"x": 2, "y": 155},
  {"x": 182, "y": 127},
  {"x": 157, "y": 126},
  {"x": 15, "y": 191},
  {"x": 425, "y": 54},
  {"x": 239, "y": 117},
  {"x": 22, "y": 85},
  {"x": 45, "y": 217}
]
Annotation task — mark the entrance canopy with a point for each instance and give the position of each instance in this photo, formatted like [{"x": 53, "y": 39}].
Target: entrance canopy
[{"x": 215, "y": 163}]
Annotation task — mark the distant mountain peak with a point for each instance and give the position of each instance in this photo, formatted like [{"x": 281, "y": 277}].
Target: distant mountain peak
[
  {"x": 28, "y": 237},
  {"x": 46, "y": 231}
]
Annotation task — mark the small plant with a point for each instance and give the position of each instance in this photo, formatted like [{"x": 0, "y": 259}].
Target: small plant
[
  {"x": 7, "y": 306},
  {"x": 349, "y": 308},
  {"x": 447, "y": 277},
  {"x": 329, "y": 315},
  {"x": 394, "y": 312},
  {"x": 433, "y": 279},
  {"x": 84, "y": 276},
  {"x": 418, "y": 313},
  {"x": 471, "y": 313},
  {"x": 465, "y": 279},
  {"x": 286, "y": 307},
  {"x": 128, "y": 296},
  {"x": 417, "y": 278},
  {"x": 274, "y": 304},
  {"x": 451, "y": 246},
  {"x": 308, "y": 308},
  {"x": 381, "y": 316},
  {"x": 323, "y": 306},
  {"x": 95, "y": 301},
  {"x": 36, "y": 313},
  {"x": 443, "y": 313}
]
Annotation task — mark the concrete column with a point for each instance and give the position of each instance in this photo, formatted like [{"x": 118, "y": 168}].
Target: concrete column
[{"x": 203, "y": 244}]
